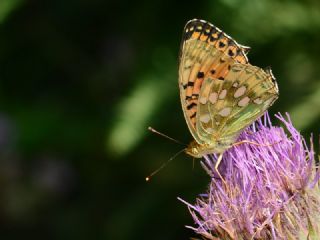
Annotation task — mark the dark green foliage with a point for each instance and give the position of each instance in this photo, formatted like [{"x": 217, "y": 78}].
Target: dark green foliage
[{"x": 80, "y": 82}]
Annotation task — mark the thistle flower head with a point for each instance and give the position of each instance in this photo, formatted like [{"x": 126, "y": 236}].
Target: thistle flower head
[{"x": 270, "y": 189}]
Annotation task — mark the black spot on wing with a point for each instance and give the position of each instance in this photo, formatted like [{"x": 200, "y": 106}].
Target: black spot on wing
[
  {"x": 191, "y": 105},
  {"x": 230, "y": 53},
  {"x": 200, "y": 75},
  {"x": 221, "y": 44}
]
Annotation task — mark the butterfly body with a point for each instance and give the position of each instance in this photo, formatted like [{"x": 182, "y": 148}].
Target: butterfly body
[
  {"x": 220, "y": 92},
  {"x": 197, "y": 150}
]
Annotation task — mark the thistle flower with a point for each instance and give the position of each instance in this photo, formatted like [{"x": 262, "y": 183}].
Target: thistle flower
[{"x": 270, "y": 192}]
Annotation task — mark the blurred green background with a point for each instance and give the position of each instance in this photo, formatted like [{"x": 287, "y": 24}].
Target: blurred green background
[{"x": 80, "y": 82}]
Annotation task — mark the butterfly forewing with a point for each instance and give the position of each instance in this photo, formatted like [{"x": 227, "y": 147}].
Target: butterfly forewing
[{"x": 206, "y": 54}]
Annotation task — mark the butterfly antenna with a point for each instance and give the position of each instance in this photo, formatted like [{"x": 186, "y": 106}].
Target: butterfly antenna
[
  {"x": 164, "y": 165},
  {"x": 166, "y": 136},
  {"x": 193, "y": 163}
]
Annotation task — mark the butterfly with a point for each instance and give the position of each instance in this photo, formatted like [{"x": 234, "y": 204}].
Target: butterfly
[{"x": 221, "y": 93}]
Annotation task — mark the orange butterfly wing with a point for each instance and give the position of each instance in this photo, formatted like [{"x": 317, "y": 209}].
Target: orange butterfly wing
[{"x": 205, "y": 52}]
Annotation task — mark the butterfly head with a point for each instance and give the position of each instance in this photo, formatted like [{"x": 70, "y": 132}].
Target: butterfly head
[{"x": 193, "y": 150}]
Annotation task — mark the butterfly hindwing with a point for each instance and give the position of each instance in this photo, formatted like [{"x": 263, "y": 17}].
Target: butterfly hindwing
[{"x": 226, "y": 107}]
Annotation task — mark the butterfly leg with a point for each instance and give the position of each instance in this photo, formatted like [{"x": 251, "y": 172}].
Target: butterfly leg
[
  {"x": 217, "y": 166},
  {"x": 255, "y": 143}
]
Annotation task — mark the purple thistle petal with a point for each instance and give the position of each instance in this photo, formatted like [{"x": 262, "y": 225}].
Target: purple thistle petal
[{"x": 271, "y": 189}]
